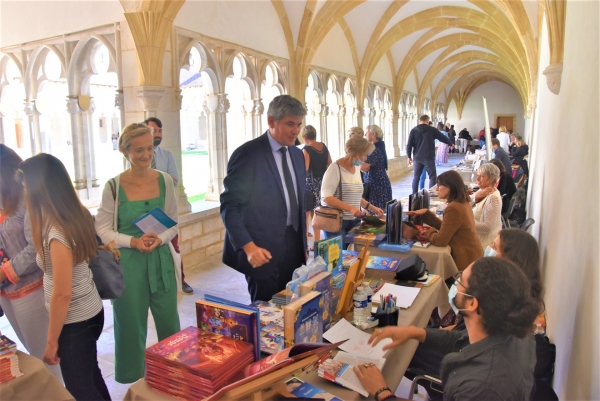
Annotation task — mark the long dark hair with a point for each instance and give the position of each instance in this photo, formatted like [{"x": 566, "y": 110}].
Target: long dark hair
[
  {"x": 522, "y": 249},
  {"x": 502, "y": 291},
  {"x": 51, "y": 200},
  {"x": 453, "y": 181},
  {"x": 12, "y": 191}
]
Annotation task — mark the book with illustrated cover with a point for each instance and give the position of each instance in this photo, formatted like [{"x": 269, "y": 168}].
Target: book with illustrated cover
[
  {"x": 272, "y": 337},
  {"x": 361, "y": 239},
  {"x": 382, "y": 267},
  {"x": 303, "y": 319},
  {"x": 230, "y": 321},
  {"x": 302, "y": 389},
  {"x": 331, "y": 252},
  {"x": 340, "y": 370},
  {"x": 348, "y": 257},
  {"x": 321, "y": 283}
]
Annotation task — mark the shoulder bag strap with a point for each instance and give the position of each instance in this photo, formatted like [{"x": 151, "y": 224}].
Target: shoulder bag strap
[{"x": 340, "y": 184}]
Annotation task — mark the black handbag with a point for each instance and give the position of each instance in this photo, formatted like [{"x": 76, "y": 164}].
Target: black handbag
[
  {"x": 107, "y": 273},
  {"x": 411, "y": 268}
]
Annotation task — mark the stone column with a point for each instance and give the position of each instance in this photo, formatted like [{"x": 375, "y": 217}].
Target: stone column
[
  {"x": 323, "y": 122},
  {"x": 120, "y": 104},
  {"x": 33, "y": 117},
  {"x": 405, "y": 130},
  {"x": 78, "y": 145},
  {"x": 2, "y": 129},
  {"x": 257, "y": 111},
  {"x": 217, "y": 106},
  {"x": 395, "y": 133},
  {"x": 342, "y": 130},
  {"x": 360, "y": 112},
  {"x": 183, "y": 205},
  {"x": 88, "y": 135},
  {"x": 151, "y": 96}
]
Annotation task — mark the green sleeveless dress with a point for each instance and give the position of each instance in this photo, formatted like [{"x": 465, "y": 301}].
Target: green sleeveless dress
[{"x": 149, "y": 284}]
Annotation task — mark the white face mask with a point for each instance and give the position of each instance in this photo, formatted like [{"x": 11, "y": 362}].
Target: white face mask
[
  {"x": 489, "y": 252},
  {"x": 452, "y": 296}
]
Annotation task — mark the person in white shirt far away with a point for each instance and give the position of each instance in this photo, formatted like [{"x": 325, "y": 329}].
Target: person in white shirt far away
[
  {"x": 503, "y": 137},
  {"x": 164, "y": 160}
]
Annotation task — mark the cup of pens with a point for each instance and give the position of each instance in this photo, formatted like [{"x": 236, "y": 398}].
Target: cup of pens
[{"x": 387, "y": 311}]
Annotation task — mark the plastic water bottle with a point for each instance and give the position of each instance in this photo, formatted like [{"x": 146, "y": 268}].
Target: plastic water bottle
[
  {"x": 369, "y": 293},
  {"x": 360, "y": 306}
]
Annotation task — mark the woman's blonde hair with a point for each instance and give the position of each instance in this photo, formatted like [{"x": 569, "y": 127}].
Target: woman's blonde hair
[
  {"x": 520, "y": 141},
  {"x": 502, "y": 128},
  {"x": 133, "y": 131},
  {"x": 355, "y": 131},
  {"x": 376, "y": 129},
  {"x": 309, "y": 132},
  {"x": 358, "y": 145}
]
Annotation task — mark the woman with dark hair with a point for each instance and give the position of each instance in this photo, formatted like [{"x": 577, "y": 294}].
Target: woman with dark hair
[
  {"x": 457, "y": 229},
  {"x": 506, "y": 185},
  {"x": 316, "y": 158},
  {"x": 65, "y": 240},
  {"x": 21, "y": 289}
]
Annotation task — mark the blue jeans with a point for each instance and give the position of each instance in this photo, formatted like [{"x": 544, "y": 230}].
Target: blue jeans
[
  {"x": 79, "y": 359},
  {"x": 422, "y": 179},
  {"x": 347, "y": 225}
]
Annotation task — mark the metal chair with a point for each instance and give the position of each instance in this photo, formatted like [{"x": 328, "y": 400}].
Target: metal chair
[
  {"x": 435, "y": 383},
  {"x": 506, "y": 216},
  {"x": 526, "y": 224}
]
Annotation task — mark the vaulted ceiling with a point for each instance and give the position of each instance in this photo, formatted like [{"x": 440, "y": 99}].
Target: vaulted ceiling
[{"x": 452, "y": 47}]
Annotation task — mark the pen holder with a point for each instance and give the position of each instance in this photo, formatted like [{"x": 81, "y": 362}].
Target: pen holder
[{"x": 386, "y": 319}]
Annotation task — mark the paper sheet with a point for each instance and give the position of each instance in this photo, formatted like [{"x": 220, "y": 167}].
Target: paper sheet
[
  {"x": 357, "y": 340},
  {"x": 156, "y": 221},
  {"x": 406, "y": 295}
]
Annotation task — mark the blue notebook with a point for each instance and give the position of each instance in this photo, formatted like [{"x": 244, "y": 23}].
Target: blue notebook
[{"x": 155, "y": 221}]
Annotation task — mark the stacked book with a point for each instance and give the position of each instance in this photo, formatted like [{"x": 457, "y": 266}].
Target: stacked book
[
  {"x": 9, "y": 361},
  {"x": 380, "y": 267},
  {"x": 281, "y": 297},
  {"x": 194, "y": 363}
]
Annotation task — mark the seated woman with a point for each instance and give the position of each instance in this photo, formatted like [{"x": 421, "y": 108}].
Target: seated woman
[
  {"x": 487, "y": 204},
  {"x": 347, "y": 169},
  {"x": 457, "y": 229},
  {"x": 519, "y": 154},
  {"x": 506, "y": 185}
]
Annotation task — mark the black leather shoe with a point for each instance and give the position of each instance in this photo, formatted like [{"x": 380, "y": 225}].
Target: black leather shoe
[{"x": 186, "y": 288}]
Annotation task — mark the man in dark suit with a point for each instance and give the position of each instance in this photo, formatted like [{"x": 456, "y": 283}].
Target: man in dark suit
[{"x": 263, "y": 203}]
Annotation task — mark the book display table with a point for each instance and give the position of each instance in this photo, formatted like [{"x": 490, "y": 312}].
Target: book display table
[
  {"x": 438, "y": 259},
  {"x": 397, "y": 359},
  {"x": 37, "y": 383}
]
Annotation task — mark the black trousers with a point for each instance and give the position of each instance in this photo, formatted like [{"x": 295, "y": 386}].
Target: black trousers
[
  {"x": 277, "y": 278},
  {"x": 430, "y": 167},
  {"x": 79, "y": 359}
]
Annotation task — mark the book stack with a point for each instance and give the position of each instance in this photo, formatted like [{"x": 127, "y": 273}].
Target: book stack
[
  {"x": 9, "y": 361},
  {"x": 382, "y": 267},
  {"x": 280, "y": 298},
  {"x": 194, "y": 363}
]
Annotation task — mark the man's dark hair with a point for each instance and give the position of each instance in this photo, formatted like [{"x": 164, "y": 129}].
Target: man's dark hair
[
  {"x": 440, "y": 126},
  {"x": 498, "y": 164},
  {"x": 285, "y": 105},
  {"x": 495, "y": 141},
  {"x": 424, "y": 118},
  {"x": 431, "y": 123},
  {"x": 509, "y": 132},
  {"x": 153, "y": 120},
  {"x": 454, "y": 182},
  {"x": 503, "y": 292},
  {"x": 522, "y": 249}
]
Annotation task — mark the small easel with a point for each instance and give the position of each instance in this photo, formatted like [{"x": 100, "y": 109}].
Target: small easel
[{"x": 354, "y": 278}]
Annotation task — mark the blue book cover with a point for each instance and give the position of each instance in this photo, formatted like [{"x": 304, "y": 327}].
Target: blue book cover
[
  {"x": 303, "y": 319},
  {"x": 155, "y": 221},
  {"x": 331, "y": 252},
  {"x": 302, "y": 389},
  {"x": 321, "y": 283}
]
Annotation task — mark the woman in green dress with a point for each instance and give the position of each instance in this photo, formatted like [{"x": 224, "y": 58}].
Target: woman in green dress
[{"x": 148, "y": 268}]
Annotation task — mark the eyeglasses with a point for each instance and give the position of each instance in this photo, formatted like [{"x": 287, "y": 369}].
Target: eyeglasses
[{"x": 457, "y": 278}]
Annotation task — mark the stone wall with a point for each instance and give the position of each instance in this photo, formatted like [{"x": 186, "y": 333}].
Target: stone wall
[
  {"x": 397, "y": 167},
  {"x": 201, "y": 235}
]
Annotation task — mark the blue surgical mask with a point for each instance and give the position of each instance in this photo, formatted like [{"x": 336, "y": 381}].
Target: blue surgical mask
[
  {"x": 452, "y": 296},
  {"x": 490, "y": 252},
  {"x": 357, "y": 163}
]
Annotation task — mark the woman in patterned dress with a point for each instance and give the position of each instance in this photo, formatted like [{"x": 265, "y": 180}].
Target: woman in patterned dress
[{"x": 374, "y": 169}]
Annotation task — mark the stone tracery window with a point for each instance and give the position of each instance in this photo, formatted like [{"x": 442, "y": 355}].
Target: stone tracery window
[{"x": 14, "y": 120}]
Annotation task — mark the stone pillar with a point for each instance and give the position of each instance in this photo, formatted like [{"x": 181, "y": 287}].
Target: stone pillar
[
  {"x": 360, "y": 112},
  {"x": 342, "y": 130},
  {"x": 257, "y": 111},
  {"x": 217, "y": 106},
  {"x": 2, "y": 140},
  {"x": 183, "y": 205},
  {"x": 405, "y": 131},
  {"x": 33, "y": 117},
  {"x": 395, "y": 133},
  {"x": 88, "y": 135},
  {"x": 323, "y": 122},
  {"x": 151, "y": 96},
  {"x": 120, "y": 104},
  {"x": 78, "y": 145}
]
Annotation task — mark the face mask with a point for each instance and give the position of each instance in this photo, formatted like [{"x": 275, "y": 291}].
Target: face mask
[
  {"x": 452, "y": 296},
  {"x": 357, "y": 163},
  {"x": 489, "y": 252}
]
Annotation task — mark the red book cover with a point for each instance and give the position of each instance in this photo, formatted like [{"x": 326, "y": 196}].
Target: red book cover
[{"x": 203, "y": 352}]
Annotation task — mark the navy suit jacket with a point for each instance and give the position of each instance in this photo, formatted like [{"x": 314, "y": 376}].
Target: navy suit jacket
[{"x": 253, "y": 204}]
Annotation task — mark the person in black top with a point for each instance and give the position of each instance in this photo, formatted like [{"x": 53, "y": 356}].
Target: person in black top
[
  {"x": 464, "y": 134},
  {"x": 422, "y": 140},
  {"x": 520, "y": 152},
  {"x": 317, "y": 159},
  {"x": 506, "y": 184},
  {"x": 494, "y": 358}
]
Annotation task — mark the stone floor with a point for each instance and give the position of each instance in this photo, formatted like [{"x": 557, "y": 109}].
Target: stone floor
[{"x": 211, "y": 276}]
